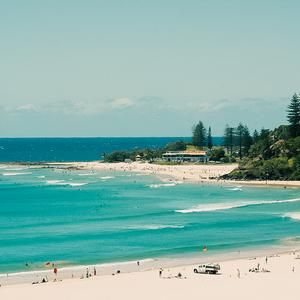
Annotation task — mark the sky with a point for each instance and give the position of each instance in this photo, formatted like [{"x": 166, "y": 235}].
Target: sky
[{"x": 145, "y": 68}]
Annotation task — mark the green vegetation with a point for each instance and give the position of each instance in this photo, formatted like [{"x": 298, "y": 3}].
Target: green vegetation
[
  {"x": 199, "y": 135},
  {"x": 294, "y": 115},
  {"x": 146, "y": 154},
  {"x": 275, "y": 154}
]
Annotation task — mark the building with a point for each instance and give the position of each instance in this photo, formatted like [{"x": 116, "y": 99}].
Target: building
[{"x": 185, "y": 156}]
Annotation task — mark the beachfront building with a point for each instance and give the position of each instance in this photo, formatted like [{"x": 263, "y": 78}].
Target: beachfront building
[{"x": 186, "y": 156}]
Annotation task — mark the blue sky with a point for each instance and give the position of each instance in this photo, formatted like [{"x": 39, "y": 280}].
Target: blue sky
[{"x": 145, "y": 68}]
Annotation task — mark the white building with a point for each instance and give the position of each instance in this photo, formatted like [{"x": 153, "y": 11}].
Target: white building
[{"x": 185, "y": 156}]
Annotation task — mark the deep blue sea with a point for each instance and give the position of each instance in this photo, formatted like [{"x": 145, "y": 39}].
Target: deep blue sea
[
  {"x": 81, "y": 217},
  {"x": 76, "y": 149}
]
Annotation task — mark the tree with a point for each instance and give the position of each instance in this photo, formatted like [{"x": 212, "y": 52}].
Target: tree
[
  {"x": 229, "y": 139},
  {"x": 247, "y": 140},
  {"x": 217, "y": 153},
  {"x": 199, "y": 135},
  {"x": 209, "y": 139},
  {"x": 255, "y": 136},
  {"x": 293, "y": 115},
  {"x": 239, "y": 132},
  {"x": 176, "y": 146}
]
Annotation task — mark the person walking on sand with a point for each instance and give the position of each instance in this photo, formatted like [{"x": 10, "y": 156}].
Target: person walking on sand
[
  {"x": 266, "y": 260},
  {"x": 95, "y": 271}
]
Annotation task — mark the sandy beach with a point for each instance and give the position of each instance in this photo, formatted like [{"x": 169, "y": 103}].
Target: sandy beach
[
  {"x": 194, "y": 173},
  {"x": 275, "y": 277}
]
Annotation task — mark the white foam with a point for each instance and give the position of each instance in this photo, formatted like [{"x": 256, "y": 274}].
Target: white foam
[
  {"x": 85, "y": 174},
  {"x": 156, "y": 186},
  {"x": 42, "y": 176},
  {"x": 155, "y": 227},
  {"x": 230, "y": 205},
  {"x": 293, "y": 215},
  {"x": 62, "y": 182},
  {"x": 107, "y": 177},
  {"x": 15, "y": 173},
  {"x": 235, "y": 189},
  {"x": 76, "y": 183},
  {"x": 16, "y": 169},
  {"x": 54, "y": 182}
]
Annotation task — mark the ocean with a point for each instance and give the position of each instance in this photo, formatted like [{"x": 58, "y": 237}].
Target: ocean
[
  {"x": 77, "y": 217},
  {"x": 77, "y": 149},
  {"x": 74, "y": 149}
]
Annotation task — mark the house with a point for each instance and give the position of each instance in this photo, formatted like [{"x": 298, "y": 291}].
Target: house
[
  {"x": 138, "y": 157},
  {"x": 186, "y": 156}
]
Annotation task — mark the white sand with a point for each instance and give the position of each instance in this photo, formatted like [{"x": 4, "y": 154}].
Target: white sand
[
  {"x": 278, "y": 284},
  {"x": 196, "y": 173}
]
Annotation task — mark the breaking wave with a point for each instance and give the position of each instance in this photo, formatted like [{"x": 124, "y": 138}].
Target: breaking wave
[
  {"x": 155, "y": 227},
  {"x": 235, "y": 189},
  {"x": 62, "y": 182},
  {"x": 293, "y": 215},
  {"x": 230, "y": 205},
  {"x": 15, "y": 173},
  {"x": 156, "y": 186},
  {"x": 85, "y": 174},
  {"x": 107, "y": 177}
]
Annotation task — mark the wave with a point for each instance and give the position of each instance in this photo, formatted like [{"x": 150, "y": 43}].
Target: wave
[
  {"x": 155, "y": 227},
  {"x": 292, "y": 215},
  {"x": 235, "y": 189},
  {"x": 107, "y": 177},
  {"x": 156, "y": 186},
  {"x": 15, "y": 173},
  {"x": 16, "y": 169},
  {"x": 42, "y": 176},
  {"x": 62, "y": 182},
  {"x": 230, "y": 205},
  {"x": 84, "y": 174}
]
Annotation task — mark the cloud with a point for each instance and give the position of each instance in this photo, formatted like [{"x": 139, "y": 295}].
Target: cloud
[
  {"x": 26, "y": 108},
  {"x": 121, "y": 103}
]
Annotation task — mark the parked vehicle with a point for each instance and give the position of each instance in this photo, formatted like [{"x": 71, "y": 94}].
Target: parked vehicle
[{"x": 208, "y": 269}]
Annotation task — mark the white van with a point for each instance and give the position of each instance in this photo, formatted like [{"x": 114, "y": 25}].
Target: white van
[{"x": 208, "y": 269}]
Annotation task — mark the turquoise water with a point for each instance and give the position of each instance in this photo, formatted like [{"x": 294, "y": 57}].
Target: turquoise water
[{"x": 79, "y": 217}]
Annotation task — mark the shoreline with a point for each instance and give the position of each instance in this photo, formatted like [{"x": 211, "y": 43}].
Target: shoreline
[
  {"x": 187, "y": 260},
  {"x": 247, "y": 276},
  {"x": 187, "y": 173}
]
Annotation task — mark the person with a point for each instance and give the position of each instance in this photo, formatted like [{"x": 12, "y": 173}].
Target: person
[
  {"x": 95, "y": 271},
  {"x": 238, "y": 273},
  {"x": 55, "y": 271},
  {"x": 87, "y": 272},
  {"x": 138, "y": 263},
  {"x": 160, "y": 272},
  {"x": 293, "y": 269},
  {"x": 266, "y": 259}
]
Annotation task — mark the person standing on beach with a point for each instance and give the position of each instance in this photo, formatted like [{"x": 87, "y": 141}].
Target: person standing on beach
[
  {"x": 55, "y": 272},
  {"x": 95, "y": 271},
  {"x": 160, "y": 273}
]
